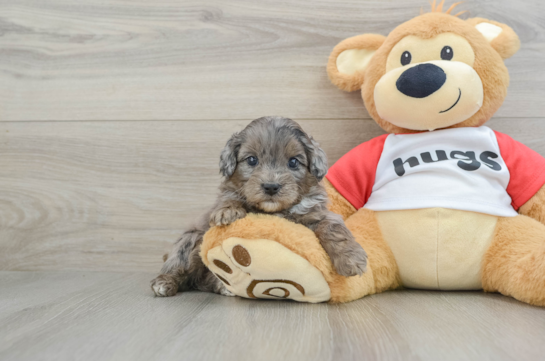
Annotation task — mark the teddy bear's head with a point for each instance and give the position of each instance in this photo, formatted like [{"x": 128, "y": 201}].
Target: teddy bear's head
[{"x": 434, "y": 71}]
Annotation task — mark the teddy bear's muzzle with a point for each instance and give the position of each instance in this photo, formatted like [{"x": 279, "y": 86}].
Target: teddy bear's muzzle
[{"x": 429, "y": 95}]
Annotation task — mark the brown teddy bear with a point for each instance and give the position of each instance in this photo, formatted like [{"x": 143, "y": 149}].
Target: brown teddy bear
[{"x": 441, "y": 202}]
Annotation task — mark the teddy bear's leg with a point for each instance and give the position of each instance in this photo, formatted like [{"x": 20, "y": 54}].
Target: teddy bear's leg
[
  {"x": 364, "y": 225},
  {"x": 514, "y": 264},
  {"x": 535, "y": 207},
  {"x": 337, "y": 203}
]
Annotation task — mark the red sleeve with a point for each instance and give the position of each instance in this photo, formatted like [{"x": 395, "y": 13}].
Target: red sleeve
[
  {"x": 353, "y": 176},
  {"x": 526, "y": 169}
]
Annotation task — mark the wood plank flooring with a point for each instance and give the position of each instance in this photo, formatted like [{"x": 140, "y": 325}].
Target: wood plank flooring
[
  {"x": 115, "y": 195},
  {"x": 213, "y": 59},
  {"x": 113, "y": 316}
]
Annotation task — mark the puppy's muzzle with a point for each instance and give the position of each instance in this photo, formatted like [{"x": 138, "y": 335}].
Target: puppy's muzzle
[
  {"x": 421, "y": 81},
  {"x": 271, "y": 188}
]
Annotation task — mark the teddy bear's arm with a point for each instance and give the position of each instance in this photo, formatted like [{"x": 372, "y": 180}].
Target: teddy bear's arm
[
  {"x": 535, "y": 207},
  {"x": 337, "y": 203}
]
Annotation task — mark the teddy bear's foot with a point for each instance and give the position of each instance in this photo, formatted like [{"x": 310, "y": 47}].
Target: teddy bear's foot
[{"x": 261, "y": 268}]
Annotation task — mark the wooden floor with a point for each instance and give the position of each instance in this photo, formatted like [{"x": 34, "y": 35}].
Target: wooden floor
[
  {"x": 112, "y": 117},
  {"x": 113, "y": 316}
]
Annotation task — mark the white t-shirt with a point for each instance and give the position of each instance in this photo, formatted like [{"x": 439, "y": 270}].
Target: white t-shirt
[{"x": 461, "y": 168}]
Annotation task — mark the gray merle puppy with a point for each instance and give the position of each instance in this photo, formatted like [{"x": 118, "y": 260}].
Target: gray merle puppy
[{"x": 273, "y": 167}]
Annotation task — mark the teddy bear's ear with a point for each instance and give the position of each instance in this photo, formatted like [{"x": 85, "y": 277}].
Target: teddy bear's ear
[
  {"x": 500, "y": 36},
  {"x": 349, "y": 59}
]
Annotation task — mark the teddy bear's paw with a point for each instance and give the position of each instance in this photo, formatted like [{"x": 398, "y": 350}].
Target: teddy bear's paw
[
  {"x": 261, "y": 268},
  {"x": 164, "y": 286}
]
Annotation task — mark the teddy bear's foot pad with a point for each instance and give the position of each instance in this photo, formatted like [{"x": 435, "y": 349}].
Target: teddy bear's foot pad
[{"x": 261, "y": 268}]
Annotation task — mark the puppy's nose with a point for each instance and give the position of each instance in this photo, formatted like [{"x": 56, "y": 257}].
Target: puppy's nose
[
  {"x": 421, "y": 80},
  {"x": 271, "y": 188}
]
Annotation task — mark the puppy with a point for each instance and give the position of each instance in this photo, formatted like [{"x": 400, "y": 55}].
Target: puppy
[{"x": 273, "y": 167}]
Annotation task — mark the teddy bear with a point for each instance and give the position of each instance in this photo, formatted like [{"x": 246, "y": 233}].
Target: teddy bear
[{"x": 440, "y": 202}]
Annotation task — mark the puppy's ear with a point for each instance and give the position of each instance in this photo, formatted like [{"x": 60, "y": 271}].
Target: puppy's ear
[
  {"x": 349, "y": 59},
  {"x": 228, "y": 156},
  {"x": 317, "y": 161},
  {"x": 500, "y": 36}
]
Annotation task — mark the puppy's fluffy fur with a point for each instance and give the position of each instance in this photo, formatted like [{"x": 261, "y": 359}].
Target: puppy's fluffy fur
[{"x": 274, "y": 167}]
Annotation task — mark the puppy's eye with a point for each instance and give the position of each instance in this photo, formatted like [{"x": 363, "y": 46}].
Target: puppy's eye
[
  {"x": 293, "y": 163},
  {"x": 252, "y": 161},
  {"x": 406, "y": 58},
  {"x": 447, "y": 53}
]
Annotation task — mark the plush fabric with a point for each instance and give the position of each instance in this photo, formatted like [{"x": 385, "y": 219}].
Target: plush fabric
[
  {"x": 535, "y": 206},
  {"x": 295, "y": 238},
  {"x": 352, "y": 81},
  {"x": 494, "y": 173},
  {"x": 432, "y": 250},
  {"x": 526, "y": 167},
  {"x": 402, "y": 89},
  {"x": 337, "y": 203},
  {"x": 263, "y": 268},
  {"x": 364, "y": 225},
  {"x": 507, "y": 43},
  {"x": 488, "y": 63},
  {"x": 355, "y": 184},
  {"x": 514, "y": 265},
  {"x": 437, "y": 247}
]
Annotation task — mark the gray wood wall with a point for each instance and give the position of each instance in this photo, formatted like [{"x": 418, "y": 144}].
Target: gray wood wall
[{"x": 113, "y": 113}]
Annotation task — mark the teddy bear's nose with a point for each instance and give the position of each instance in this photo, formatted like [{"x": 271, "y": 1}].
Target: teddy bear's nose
[{"x": 421, "y": 80}]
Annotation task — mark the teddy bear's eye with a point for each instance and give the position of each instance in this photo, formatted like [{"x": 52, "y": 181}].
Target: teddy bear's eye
[
  {"x": 405, "y": 58},
  {"x": 447, "y": 53}
]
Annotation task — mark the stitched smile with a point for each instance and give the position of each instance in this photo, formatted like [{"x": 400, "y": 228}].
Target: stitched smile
[{"x": 457, "y": 100}]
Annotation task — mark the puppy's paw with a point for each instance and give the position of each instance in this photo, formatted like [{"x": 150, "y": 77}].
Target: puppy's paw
[
  {"x": 164, "y": 286},
  {"x": 351, "y": 261},
  {"x": 225, "y": 216},
  {"x": 225, "y": 292}
]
